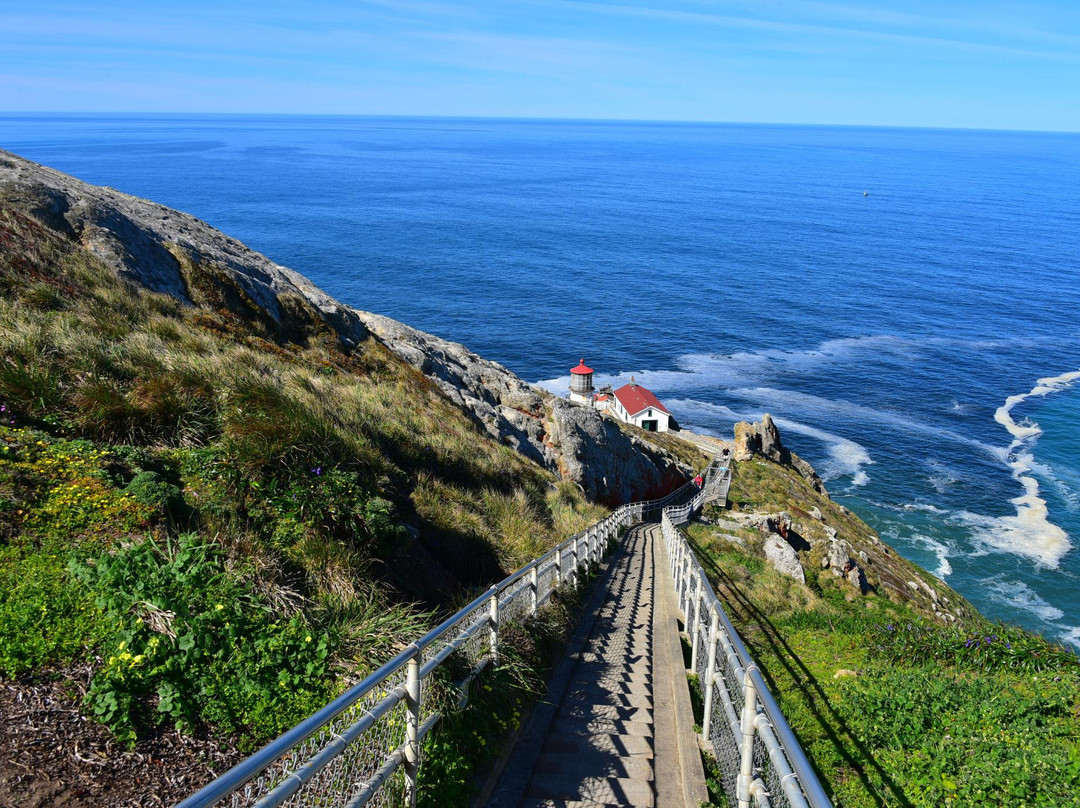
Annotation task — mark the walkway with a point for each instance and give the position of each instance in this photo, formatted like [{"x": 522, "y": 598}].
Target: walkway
[{"x": 616, "y": 728}]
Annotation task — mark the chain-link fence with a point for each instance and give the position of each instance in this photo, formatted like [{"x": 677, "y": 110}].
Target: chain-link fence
[{"x": 759, "y": 758}]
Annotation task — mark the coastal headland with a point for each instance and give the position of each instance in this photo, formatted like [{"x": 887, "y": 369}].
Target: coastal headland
[{"x": 224, "y": 495}]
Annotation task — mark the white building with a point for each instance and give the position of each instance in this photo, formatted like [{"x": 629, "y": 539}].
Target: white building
[
  {"x": 637, "y": 405},
  {"x": 631, "y": 403}
]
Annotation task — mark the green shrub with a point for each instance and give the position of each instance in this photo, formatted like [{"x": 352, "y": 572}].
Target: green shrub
[
  {"x": 201, "y": 641},
  {"x": 152, "y": 490}
]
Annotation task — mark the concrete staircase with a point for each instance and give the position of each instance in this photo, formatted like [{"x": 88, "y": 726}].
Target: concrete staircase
[{"x": 616, "y": 728}]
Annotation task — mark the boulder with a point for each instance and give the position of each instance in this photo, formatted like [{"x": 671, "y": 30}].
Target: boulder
[
  {"x": 784, "y": 558},
  {"x": 857, "y": 578},
  {"x": 837, "y": 557}
]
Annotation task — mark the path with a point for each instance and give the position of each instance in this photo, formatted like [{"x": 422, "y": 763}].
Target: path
[{"x": 616, "y": 728}]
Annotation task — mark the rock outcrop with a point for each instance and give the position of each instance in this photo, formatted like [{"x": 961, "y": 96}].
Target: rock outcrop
[
  {"x": 764, "y": 439},
  {"x": 174, "y": 253},
  {"x": 574, "y": 441},
  {"x": 814, "y": 539}
]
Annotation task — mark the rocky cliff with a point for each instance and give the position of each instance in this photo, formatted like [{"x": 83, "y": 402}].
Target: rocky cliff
[{"x": 175, "y": 253}]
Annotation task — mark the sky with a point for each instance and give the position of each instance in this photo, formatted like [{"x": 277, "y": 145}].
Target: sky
[{"x": 950, "y": 63}]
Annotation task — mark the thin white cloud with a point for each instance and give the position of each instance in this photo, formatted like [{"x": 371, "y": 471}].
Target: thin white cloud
[{"x": 806, "y": 29}]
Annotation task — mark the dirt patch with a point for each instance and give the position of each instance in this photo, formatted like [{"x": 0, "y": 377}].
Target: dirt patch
[{"x": 52, "y": 755}]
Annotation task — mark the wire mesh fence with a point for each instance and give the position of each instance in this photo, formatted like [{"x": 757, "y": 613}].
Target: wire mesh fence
[
  {"x": 363, "y": 748},
  {"x": 758, "y": 757}
]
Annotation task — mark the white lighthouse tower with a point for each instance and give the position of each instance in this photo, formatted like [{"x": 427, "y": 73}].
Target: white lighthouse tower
[{"x": 581, "y": 386}]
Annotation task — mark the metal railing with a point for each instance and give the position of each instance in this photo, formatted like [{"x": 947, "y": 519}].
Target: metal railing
[
  {"x": 364, "y": 747},
  {"x": 760, "y": 760}
]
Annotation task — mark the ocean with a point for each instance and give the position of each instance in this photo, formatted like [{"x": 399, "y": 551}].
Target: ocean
[{"x": 903, "y": 302}]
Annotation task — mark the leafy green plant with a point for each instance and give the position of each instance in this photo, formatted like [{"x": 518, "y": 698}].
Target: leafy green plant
[
  {"x": 197, "y": 638},
  {"x": 45, "y": 617}
]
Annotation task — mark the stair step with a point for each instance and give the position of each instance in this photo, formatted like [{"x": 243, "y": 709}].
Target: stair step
[
  {"x": 570, "y": 764},
  {"x": 593, "y": 790},
  {"x": 617, "y": 745}
]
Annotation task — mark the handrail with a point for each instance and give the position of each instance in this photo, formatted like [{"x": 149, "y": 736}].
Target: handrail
[
  {"x": 331, "y": 737},
  {"x": 791, "y": 776},
  {"x": 351, "y": 749}
]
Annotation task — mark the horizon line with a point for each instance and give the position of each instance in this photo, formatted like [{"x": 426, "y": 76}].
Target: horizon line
[{"x": 536, "y": 119}]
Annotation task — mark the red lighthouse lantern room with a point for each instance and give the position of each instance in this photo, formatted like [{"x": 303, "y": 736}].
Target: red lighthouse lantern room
[{"x": 581, "y": 386}]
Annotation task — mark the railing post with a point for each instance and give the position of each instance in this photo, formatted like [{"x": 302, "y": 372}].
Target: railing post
[
  {"x": 558, "y": 567},
  {"x": 684, "y": 595},
  {"x": 675, "y": 549},
  {"x": 493, "y": 618},
  {"x": 534, "y": 589},
  {"x": 696, "y": 625},
  {"x": 710, "y": 672},
  {"x": 412, "y": 727},
  {"x": 746, "y": 763}
]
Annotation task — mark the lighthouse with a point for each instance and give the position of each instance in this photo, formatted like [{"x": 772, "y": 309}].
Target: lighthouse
[{"x": 581, "y": 386}]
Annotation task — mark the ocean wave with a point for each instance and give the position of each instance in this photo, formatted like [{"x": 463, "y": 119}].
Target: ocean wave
[
  {"x": 846, "y": 457},
  {"x": 943, "y": 476},
  {"x": 837, "y": 408},
  {"x": 1070, "y": 635},
  {"x": 739, "y": 368},
  {"x": 940, "y": 550},
  {"x": 1019, "y": 595}
]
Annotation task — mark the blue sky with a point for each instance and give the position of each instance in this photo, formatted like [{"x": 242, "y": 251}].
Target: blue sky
[{"x": 950, "y": 63}]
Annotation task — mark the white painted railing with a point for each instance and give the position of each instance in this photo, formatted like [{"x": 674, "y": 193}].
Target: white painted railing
[
  {"x": 364, "y": 747},
  {"x": 760, "y": 759}
]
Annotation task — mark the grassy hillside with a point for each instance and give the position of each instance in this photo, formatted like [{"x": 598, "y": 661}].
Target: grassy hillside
[
  {"x": 228, "y": 518},
  {"x": 893, "y": 706}
]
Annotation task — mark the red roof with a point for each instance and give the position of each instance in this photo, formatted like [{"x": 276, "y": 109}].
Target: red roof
[
  {"x": 581, "y": 368},
  {"x": 636, "y": 398}
]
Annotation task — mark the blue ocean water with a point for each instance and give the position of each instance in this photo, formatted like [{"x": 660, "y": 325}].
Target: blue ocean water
[{"x": 893, "y": 297}]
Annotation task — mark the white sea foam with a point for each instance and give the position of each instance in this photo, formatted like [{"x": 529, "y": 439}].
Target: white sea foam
[
  {"x": 1064, "y": 490},
  {"x": 1019, "y": 595},
  {"x": 1030, "y": 533},
  {"x": 943, "y": 476}
]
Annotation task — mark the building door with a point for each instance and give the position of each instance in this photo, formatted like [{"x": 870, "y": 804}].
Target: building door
[{"x": 649, "y": 426}]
